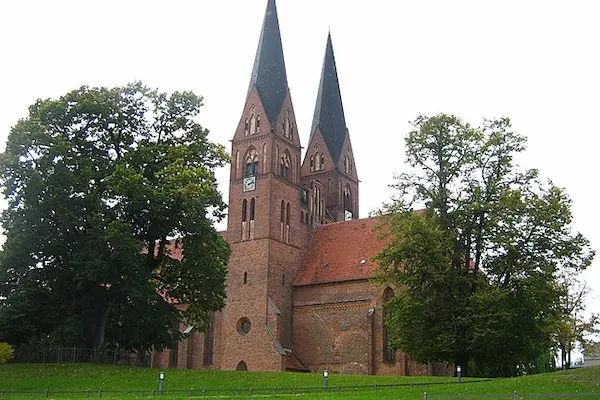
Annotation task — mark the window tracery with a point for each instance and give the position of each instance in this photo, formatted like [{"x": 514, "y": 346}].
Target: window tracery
[{"x": 252, "y": 163}]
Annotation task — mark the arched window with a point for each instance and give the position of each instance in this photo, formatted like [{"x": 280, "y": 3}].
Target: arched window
[
  {"x": 253, "y": 117},
  {"x": 389, "y": 353},
  {"x": 284, "y": 166},
  {"x": 244, "y": 219},
  {"x": 252, "y": 208},
  {"x": 287, "y": 223},
  {"x": 257, "y": 129},
  {"x": 287, "y": 125},
  {"x": 281, "y": 221},
  {"x": 312, "y": 163},
  {"x": 242, "y": 366},
  {"x": 247, "y": 126},
  {"x": 322, "y": 161},
  {"x": 252, "y": 163},
  {"x": 264, "y": 154},
  {"x": 347, "y": 199},
  {"x": 317, "y": 206},
  {"x": 317, "y": 162}
]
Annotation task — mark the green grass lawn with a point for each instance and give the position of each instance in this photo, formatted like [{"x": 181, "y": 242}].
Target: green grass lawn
[{"x": 181, "y": 383}]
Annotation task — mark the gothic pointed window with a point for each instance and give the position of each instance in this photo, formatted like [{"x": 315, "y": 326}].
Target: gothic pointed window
[
  {"x": 312, "y": 163},
  {"x": 347, "y": 199},
  {"x": 317, "y": 162},
  {"x": 287, "y": 125},
  {"x": 253, "y": 119},
  {"x": 284, "y": 166},
  {"x": 347, "y": 164},
  {"x": 281, "y": 221},
  {"x": 322, "y": 161},
  {"x": 257, "y": 130},
  {"x": 252, "y": 163},
  {"x": 264, "y": 154},
  {"x": 247, "y": 126},
  {"x": 287, "y": 223},
  {"x": 252, "y": 210},
  {"x": 244, "y": 219}
]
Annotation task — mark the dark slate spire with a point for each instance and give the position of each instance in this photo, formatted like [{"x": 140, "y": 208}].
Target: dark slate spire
[
  {"x": 268, "y": 74},
  {"x": 329, "y": 111}
]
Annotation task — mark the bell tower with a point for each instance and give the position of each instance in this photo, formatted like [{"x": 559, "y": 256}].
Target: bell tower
[
  {"x": 266, "y": 223},
  {"x": 328, "y": 171}
]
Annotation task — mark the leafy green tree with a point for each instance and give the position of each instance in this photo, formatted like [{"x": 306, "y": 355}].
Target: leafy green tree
[
  {"x": 103, "y": 185},
  {"x": 573, "y": 330},
  {"x": 476, "y": 266}
]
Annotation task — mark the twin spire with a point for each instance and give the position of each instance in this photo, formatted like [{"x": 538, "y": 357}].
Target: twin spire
[
  {"x": 268, "y": 74},
  {"x": 270, "y": 79}
]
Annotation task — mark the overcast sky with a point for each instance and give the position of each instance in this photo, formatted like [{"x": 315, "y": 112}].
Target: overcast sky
[{"x": 534, "y": 61}]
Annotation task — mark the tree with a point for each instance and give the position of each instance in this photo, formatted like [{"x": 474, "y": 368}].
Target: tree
[
  {"x": 573, "y": 329},
  {"x": 103, "y": 185},
  {"x": 476, "y": 266}
]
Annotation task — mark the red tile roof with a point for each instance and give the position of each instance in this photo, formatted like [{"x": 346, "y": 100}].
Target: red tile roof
[{"x": 342, "y": 251}]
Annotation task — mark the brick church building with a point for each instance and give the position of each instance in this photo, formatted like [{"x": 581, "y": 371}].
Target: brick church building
[{"x": 299, "y": 294}]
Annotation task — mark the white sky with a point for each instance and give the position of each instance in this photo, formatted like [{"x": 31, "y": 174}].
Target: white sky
[{"x": 534, "y": 61}]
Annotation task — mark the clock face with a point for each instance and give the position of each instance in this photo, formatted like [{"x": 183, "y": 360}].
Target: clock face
[{"x": 249, "y": 184}]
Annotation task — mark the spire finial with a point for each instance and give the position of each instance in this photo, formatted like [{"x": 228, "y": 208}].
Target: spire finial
[
  {"x": 269, "y": 74},
  {"x": 329, "y": 111}
]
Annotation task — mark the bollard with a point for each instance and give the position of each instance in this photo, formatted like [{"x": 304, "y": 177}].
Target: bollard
[
  {"x": 458, "y": 372},
  {"x": 325, "y": 379},
  {"x": 161, "y": 383},
  {"x": 425, "y": 396},
  {"x": 515, "y": 395}
]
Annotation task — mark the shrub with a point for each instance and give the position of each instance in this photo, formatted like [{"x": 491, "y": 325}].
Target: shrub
[{"x": 6, "y": 352}]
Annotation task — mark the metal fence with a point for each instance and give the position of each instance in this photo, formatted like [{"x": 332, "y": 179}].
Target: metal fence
[
  {"x": 64, "y": 355},
  {"x": 337, "y": 391}
]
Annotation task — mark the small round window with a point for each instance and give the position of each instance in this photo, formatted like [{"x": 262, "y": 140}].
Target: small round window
[{"x": 243, "y": 326}]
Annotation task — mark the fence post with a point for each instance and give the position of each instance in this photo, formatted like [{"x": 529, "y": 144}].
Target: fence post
[
  {"x": 515, "y": 395},
  {"x": 425, "y": 396},
  {"x": 47, "y": 393}
]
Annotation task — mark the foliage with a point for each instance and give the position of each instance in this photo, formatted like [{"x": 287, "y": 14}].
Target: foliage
[
  {"x": 6, "y": 352},
  {"x": 573, "y": 330},
  {"x": 92, "y": 179},
  {"x": 477, "y": 266}
]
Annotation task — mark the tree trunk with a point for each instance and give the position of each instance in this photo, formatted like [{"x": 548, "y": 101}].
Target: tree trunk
[{"x": 101, "y": 332}]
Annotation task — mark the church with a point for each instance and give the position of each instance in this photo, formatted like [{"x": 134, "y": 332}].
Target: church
[{"x": 299, "y": 290}]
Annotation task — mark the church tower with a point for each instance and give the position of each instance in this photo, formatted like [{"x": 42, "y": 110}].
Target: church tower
[
  {"x": 266, "y": 222},
  {"x": 328, "y": 171}
]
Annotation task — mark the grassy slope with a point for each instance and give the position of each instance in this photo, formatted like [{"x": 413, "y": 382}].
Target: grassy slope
[{"x": 93, "y": 377}]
